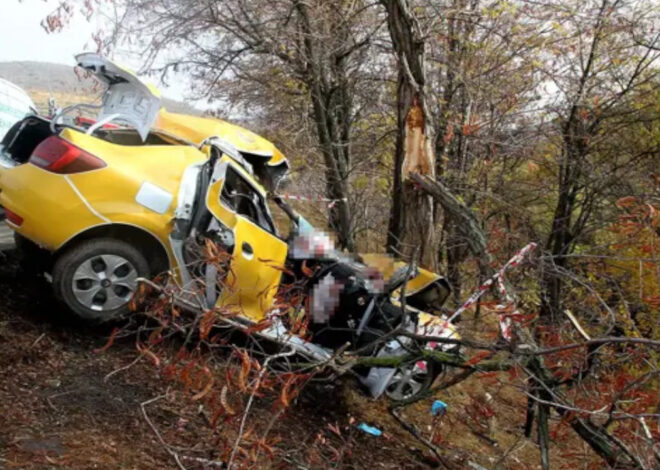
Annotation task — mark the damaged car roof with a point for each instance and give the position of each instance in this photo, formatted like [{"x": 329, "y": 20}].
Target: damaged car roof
[
  {"x": 197, "y": 129},
  {"x": 128, "y": 100}
]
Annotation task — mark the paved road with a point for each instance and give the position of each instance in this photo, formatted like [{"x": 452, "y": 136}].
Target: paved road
[{"x": 6, "y": 237}]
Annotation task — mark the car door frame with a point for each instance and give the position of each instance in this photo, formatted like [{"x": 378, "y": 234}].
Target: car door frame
[{"x": 253, "y": 278}]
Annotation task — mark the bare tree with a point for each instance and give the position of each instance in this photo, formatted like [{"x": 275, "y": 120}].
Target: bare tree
[
  {"x": 315, "y": 50},
  {"x": 599, "y": 71}
]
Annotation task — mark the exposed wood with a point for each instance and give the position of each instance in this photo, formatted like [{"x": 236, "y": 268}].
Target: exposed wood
[
  {"x": 577, "y": 325},
  {"x": 412, "y": 221}
]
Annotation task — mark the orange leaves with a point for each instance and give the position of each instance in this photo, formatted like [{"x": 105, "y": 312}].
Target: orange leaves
[
  {"x": 635, "y": 237},
  {"x": 637, "y": 213},
  {"x": 449, "y": 134},
  {"x": 514, "y": 373},
  {"x": 489, "y": 377},
  {"x": 652, "y": 300},
  {"x": 627, "y": 228},
  {"x": 292, "y": 385},
  {"x": 466, "y": 129},
  {"x": 532, "y": 168},
  {"x": 148, "y": 353},
  {"x": 246, "y": 367},
  {"x": 523, "y": 319},
  {"x": 562, "y": 364},
  {"x": 207, "y": 388},
  {"x": 479, "y": 411},
  {"x": 298, "y": 320},
  {"x": 214, "y": 253},
  {"x": 560, "y": 429},
  {"x": 109, "y": 343},
  {"x": 206, "y": 323},
  {"x": 477, "y": 358},
  {"x": 257, "y": 327},
  {"x": 654, "y": 215},
  {"x": 287, "y": 392},
  {"x": 224, "y": 402},
  {"x": 469, "y": 129},
  {"x": 306, "y": 270},
  {"x": 626, "y": 202}
]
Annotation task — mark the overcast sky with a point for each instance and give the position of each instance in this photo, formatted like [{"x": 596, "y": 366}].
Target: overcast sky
[{"x": 23, "y": 38}]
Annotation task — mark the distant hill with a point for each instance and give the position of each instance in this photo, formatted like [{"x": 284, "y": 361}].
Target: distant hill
[{"x": 40, "y": 79}]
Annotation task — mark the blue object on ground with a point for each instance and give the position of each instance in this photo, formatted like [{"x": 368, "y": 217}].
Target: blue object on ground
[
  {"x": 370, "y": 429},
  {"x": 439, "y": 407}
]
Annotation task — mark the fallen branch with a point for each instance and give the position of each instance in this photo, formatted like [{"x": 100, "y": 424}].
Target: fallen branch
[
  {"x": 413, "y": 432},
  {"x": 464, "y": 219},
  {"x": 263, "y": 371},
  {"x": 165, "y": 445}
]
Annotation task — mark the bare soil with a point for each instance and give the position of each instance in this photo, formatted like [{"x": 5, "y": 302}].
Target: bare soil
[{"x": 58, "y": 410}]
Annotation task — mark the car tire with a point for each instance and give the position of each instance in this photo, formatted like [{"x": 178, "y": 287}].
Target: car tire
[
  {"x": 97, "y": 278},
  {"x": 408, "y": 383}
]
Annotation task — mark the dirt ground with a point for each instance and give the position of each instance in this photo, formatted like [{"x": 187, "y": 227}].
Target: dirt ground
[{"x": 59, "y": 409}]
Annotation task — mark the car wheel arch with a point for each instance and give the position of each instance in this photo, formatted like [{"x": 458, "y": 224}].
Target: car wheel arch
[{"x": 157, "y": 255}]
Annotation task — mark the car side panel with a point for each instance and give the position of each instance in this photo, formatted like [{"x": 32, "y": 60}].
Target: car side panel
[
  {"x": 112, "y": 191},
  {"x": 56, "y": 208},
  {"x": 254, "y": 278},
  {"x": 51, "y": 209},
  {"x": 386, "y": 265}
]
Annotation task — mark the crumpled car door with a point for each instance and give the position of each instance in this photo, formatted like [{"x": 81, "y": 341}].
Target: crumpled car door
[{"x": 258, "y": 255}]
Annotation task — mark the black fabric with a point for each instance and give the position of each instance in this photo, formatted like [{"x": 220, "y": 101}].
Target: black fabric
[{"x": 25, "y": 136}]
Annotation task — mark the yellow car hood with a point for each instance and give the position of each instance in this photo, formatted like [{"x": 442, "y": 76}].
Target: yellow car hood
[
  {"x": 197, "y": 129},
  {"x": 386, "y": 265}
]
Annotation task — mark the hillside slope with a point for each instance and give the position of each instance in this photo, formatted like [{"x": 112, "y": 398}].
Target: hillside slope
[{"x": 42, "y": 79}]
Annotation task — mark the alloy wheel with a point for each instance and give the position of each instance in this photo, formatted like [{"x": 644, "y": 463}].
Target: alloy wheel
[
  {"x": 407, "y": 381},
  {"x": 104, "y": 282}
]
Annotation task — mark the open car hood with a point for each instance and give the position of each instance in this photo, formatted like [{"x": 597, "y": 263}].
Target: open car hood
[{"x": 127, "y": 99}]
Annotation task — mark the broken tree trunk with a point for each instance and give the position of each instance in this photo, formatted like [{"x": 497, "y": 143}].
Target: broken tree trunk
[{"x": 412, "y": 222}]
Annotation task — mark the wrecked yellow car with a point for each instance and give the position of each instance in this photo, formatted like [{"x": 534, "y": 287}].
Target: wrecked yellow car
[{"x": 132, "y": 193}]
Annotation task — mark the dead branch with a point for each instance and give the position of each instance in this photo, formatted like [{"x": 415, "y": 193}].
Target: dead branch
[
  {"x": 260, "y": 377},
  {"x": 165, "y": 445},
  {"x": 464, "y": 219}
]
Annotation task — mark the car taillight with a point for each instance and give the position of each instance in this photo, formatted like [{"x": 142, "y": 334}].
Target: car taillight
[
  {"x": 59, "y": 156},
  {"x": 14, "y": 218}
]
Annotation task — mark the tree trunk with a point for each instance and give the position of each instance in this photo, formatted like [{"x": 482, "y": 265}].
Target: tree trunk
[
  {"x": 336, "y": 170},
  {"x": 325, "y": 77},
  {"x": 575, "y": 135},
  {"x": 562, "y": 234},
  {"x": 412, "y": 222}
]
